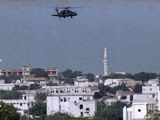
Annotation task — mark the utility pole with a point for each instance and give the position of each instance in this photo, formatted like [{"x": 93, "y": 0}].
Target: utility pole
[{"x": 28, "y": 100}]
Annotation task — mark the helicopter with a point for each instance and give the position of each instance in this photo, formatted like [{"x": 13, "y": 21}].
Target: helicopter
[{"x": 65, "y": 12}]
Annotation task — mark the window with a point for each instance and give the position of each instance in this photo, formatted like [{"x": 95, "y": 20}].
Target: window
[
  {"x": 80, "y": 98},
  {"x": 81, "y": 114},
  {"x": 20, "y": 104},
  {"x": 87, "y": 110},
  {"x": 139, "y": 110},
  {"x": 25, "y": 97},
  {"x": 81, "y": 106},
  {"x": 64, "y": 99}
]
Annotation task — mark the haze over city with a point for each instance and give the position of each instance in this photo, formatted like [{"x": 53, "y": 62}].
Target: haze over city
[{"x": 129, "y": 29}]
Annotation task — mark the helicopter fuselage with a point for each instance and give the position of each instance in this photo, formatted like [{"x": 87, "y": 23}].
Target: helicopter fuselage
[{"x": 65, "y": 13}]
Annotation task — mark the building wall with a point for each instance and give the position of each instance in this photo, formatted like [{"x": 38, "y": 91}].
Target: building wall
[
  {"x": 139, "y": 110},
  {"x": 112, "y": 82},
  {"x": 150, "y": 89},
  {"x": 73, "y": 105}
]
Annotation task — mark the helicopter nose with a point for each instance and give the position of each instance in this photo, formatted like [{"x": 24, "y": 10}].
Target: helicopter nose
[{"x": 75, "y": 14}]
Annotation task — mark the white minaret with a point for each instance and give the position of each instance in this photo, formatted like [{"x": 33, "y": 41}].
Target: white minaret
[{"x": 105, "y": 61}]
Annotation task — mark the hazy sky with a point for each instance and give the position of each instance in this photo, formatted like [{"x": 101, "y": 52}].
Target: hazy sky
[{"x": 130, "y": 29}]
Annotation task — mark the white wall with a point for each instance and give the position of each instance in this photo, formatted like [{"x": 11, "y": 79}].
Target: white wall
[{"x": 71, "y": 105}]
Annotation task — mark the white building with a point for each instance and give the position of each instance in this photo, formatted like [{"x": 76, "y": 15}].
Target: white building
[
  {"x": 81, "y": 81},
  {"x": 73, "y": 100},
  {"x": 143, "y": 103},
  {"x": 7, "y": 86},
  {"x": 66, "y": 89},
  {"x": 21, "y": 104},
  {"x": 10, "y": 86},
  {"x": 140, "y": 107},
  {"x": 113, "y": 82},
  {"x": 153, "y": 82}
]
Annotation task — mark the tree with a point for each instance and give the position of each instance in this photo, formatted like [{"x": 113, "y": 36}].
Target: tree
[
  {"x": 90, "y": 77},
  {"x": 8, "y": 112},
  {"x": 138, "y": 88},
  {"x": 39, "y": 109},
  {"x": 64, "y": 116},
  {"x": 10, "y": 94},
  {"x": 10, "y": 78},
  {"x": 144, "y": 76},
  {"x": 41, "y": 97},
  {"x": 39, "y": 72},
  {"x": 35, "y": 86},
  {"x": 113, "y": 112},
  {"x": 17, "y": 87},
  {"x": 107, "y": 89}
]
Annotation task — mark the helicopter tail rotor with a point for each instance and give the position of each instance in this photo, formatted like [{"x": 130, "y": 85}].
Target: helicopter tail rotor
[{"x": 56, "y": 10}]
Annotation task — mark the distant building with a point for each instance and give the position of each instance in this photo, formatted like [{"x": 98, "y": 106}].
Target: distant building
[
  {"x": 75, "y": 104},
  {"x": 21, "y": 104},
  {"x": 81, "y": 81},
  {"x": 73, "y": 100},
  {"x": 52, "y": 72},
  {"x": 33, "y": 80},
  {"x": 112, "y": 82},
  {"x": 26, "y": 71},
  {"x": 143, "y": 103}
]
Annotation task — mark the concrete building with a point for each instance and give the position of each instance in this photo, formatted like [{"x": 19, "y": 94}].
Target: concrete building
[
  {"x": 143, "y": 103},
  {"x": 77, "y": 104},
  {"x": 66, "y": 89},
  {"x": 112, "y": 82},
  {"x": 7, "y": 86},
  {"x": 21, "y": 104},
  {"x": 73, "y": 100},
  {"x": 81, "y": 81},
  {"x": 26, "y": 71},
  {"x": 124, "y": 96},
  {"x": 52, "y": 72}
]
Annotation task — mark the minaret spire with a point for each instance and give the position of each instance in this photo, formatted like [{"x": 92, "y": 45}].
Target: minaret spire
[{"x": 105, "y": 61}]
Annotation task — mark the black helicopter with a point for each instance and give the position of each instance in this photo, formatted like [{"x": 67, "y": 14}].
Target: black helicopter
[{"x": 65, "y": 12}]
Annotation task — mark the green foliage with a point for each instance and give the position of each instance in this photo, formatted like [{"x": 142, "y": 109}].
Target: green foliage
[
  {"x": 10, "y": 79},
  {"x": 41, "y": 97},
  {"x": 90, "y": 77},
  {"x": 17, "y": 87},
  {"x": 8, "y": 112},
  {"x": 113, "y": 112},
  {"x": 138, "y": 88},
  {"x": 39, "y": 72},
  {"x": 10, "y": 94},
  {"x": 63, "y": 116},
  {"x": 69, "y": 75},
  {"x": 106, "y": 89},
  {"x": 35, "y": 86},
  {"x": 50, "y": 83},
  {"x": 143, "y": 76},
  {"x": 39, "y": 109},
  {"x": 121, "y": 76}
]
